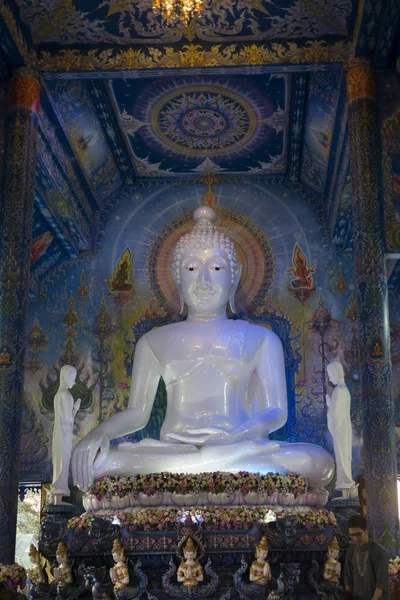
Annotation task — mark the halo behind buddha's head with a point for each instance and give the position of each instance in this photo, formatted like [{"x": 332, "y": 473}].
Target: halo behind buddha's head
[{"x": 205, "y": 234}]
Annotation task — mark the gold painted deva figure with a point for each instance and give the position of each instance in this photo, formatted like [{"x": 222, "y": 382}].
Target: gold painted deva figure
[
  {"x": 62, "y": 573},
  {"x": 119, "y": 573},
  {"x": 35, "y": 573},
  {"x": 190, "y": 571},
  {"x": 260, "y": 571},
  {"x": 332, "y": 567}
]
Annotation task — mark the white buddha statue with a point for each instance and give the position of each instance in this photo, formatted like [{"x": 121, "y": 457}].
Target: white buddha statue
[{"x": 225, "y": 381}]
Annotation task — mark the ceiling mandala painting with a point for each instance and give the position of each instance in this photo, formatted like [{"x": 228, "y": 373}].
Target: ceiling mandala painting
[
  {"x": 71, "y": 22},
  {"x": 208, "y": 124}
]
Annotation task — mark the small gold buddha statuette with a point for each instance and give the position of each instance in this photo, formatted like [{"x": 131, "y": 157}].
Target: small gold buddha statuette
[
  {"x": 190, "y": 571},
  {"x": 260, "y": 571},
  {"x": 332, "y": 567},
  {"x": 119, "y": 573}
]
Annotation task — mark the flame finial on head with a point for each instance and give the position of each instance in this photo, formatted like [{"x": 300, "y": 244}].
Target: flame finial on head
[
  {"x": 190, "y": 546},
  {"x": 334, "y": 545},
  {"x": 61, "y": 550},
  {"x": 118, "y": 547},
  {"x": 263, "y": 545}
]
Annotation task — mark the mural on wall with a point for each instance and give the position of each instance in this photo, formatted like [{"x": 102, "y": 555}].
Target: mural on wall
[
  {"x": 323, "y": 95},
  {"x": 396, "y": 186},
  {"x": 389, "y": 116},
  {"x": 74, "y": 107},
  {"x": 3, "y": 112},
  {"x": 211, "y": 124},
  {"x": 95, "y": 313},
  {"x": 124, "y": 22}
]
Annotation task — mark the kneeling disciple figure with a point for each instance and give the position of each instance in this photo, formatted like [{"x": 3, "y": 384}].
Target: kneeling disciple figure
[
  {"x": 332, "y": 567},
  {"x": 119, "y": 574},
  {"x": 62, "y": 573},
  {"x": 35, "y": 573},
  {"x": 260, "y": 571},
  {"x": 190, "y": 571}
]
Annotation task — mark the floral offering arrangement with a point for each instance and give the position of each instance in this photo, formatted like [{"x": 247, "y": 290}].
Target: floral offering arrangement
[
  {"x": 207, "y": 518},
  {"x": 218, "y": 482},
  {"x": 12, "y": 576},
  {"x": 394, "y": 569}
]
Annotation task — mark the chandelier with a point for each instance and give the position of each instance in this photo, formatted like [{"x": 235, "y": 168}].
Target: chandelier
[{"x": 178, "y": 11}]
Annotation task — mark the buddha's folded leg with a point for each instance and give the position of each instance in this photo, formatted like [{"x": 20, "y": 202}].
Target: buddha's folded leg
[
  {"x": 308, "y": 460},
  {"x": 264, "y": 456},
  {"x": 145, "y": 457}
]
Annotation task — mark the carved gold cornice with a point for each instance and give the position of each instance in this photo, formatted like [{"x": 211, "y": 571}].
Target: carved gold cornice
[
  {"x": 190, "y": 55},
  {"x": 194, "y": 55}
]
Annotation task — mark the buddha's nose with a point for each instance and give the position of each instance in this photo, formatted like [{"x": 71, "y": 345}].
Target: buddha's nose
[{"x": 204, "y": 278}]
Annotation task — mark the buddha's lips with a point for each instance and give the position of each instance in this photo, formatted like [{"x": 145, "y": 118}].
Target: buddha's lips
[{"x": 204, "y": 294}]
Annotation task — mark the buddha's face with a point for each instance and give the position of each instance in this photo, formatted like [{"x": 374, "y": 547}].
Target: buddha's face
[
  {"x": 61, "y": 559},
  {"x": 189, "y": 555},
  {"x": 205, "y": 279},
  {"x": 262, "y": 554},
  {"x": 333, "y": 553},
  {"x": 118, "y": 556},
  {"x": 332, "y": 375}
]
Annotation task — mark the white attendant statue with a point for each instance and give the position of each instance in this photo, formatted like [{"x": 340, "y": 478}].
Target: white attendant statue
[
  {"x": 339, "y": 425},
  {"x": 64, "y": 414},
  {"x": 225, "y": 381}
]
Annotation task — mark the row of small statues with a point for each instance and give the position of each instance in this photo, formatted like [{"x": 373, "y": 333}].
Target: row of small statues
[{"x": 189, "y": 574}]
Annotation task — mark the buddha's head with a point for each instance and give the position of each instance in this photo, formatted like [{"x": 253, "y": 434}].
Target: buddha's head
[
  {"x": 190, "y": 550},
  {"x": 118, "y": 552},
  {"x": 333, "y": 549},
  {"x": 205, "y": 267},
  {"x": 67, "y": 376},
  {"x": 61, "y": 554},
  {"x": 262, "y": 549},
  {"x": 34, "y": 554},
  {"x": 335, "y": 372}
]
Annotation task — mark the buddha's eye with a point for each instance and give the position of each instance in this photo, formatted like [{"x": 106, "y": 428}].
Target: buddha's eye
[{"x": 217, "y": 267}]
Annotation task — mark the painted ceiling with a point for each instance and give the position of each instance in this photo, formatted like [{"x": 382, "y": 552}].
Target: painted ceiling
[
  {"x": 252, "y": 89},
  {"x": 72, "y": 22}
]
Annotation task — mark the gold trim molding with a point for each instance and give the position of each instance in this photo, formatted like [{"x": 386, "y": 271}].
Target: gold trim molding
[
  {"x": 190, "y": 55},
  {"x": 194, "y": 55}
]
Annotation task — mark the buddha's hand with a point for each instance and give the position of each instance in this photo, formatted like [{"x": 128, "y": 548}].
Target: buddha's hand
[
  {"x": 93, "y": 448},
  {"x": 203, "y": 435}
]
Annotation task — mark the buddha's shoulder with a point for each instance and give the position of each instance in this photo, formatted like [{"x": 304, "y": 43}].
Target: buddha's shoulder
[
  {"x": 262, "y": 332},
  {"x": 164, "y": 332}
]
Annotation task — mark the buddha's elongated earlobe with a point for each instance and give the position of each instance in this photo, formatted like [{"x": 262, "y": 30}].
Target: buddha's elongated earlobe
[
  {"x": 182, "y": 307},
  {"x": 234, "y": 287},
  {"x": 175, "y": 277}
]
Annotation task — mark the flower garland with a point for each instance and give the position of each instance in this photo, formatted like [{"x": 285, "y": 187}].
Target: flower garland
[
  {"x": 394, "y": 569},
  {"x": 12, "y": 576},
  {"x": 207, "y": 518},
  {"x": 217, "y": 483}
]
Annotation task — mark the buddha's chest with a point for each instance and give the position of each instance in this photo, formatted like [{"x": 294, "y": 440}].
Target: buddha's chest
[{"x": 227, "y": 344}]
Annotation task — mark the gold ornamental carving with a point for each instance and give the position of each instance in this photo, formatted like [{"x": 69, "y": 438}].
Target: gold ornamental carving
[{"x": 194, "y": 55}]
